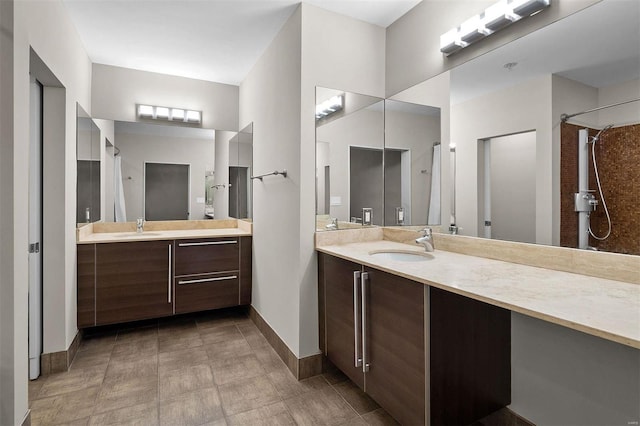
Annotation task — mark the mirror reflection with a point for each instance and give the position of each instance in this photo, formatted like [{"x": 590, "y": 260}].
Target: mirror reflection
[
  {"x": 349, "y": 160},
  {"x": 411, "y": 164},
  {"x": 518, "y": 164},
  {"x": 88, "y": 168}
]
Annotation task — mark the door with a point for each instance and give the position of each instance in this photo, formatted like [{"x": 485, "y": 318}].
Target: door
[
  {"x": 394, "y": 327},
  {"x": 366, "y": 177},
  {"x": 510, "y": 188},
  {"x": 238, "y": 180},
  {"x": 35, "y": 229},
  {"x": 166, "y": 191},
  {"x": 342, "y": 315}
]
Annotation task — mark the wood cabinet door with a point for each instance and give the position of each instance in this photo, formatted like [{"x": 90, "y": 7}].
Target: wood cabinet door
[
  {"x": 395, "y": 348},
  {"x": 470, "y": 358},
  {"x": 133, "y": 281},
  {"x": 86, "y": 294},
  {"x": 341, "y": 329}
]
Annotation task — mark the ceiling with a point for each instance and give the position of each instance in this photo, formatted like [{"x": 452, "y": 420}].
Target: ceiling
[
  {"x": 213, "y": 40},
  {"x": 597, "y": 46}
]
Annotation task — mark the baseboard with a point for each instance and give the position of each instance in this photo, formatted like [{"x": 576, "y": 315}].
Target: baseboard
[
  {"x": 59, "y": 362},
  {"x": 27, "y": 419},
  {"x": 301, "y": 368}
]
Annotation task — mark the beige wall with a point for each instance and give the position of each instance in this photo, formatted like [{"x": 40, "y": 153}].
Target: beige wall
[
  {"x": 221, "y": 176},
  {"x": 624, "y": 114},
  {"x": 116, "y": 91},
  {"x": 413, "y": 41}
]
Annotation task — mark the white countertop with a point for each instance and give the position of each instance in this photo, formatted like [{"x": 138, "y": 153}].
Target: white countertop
[
  {"x": 121, "y": 237},
  {"x": 601, "y": 307}
]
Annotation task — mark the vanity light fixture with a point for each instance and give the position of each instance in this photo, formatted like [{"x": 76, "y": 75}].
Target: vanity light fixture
[
  {"x": 169, "y": 114},
  {"x": 493, "y": 19},
  {"x": 328, "y": 107}
]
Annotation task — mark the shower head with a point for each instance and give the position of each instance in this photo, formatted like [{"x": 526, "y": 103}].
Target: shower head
[{"x": 596, "y": 138}]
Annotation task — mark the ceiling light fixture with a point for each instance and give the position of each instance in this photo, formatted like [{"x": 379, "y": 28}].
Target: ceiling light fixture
[
  {"x": 169, "y": 114},
  {"x": 493, "y": 19},
  {"x": 329, "y": 106}
]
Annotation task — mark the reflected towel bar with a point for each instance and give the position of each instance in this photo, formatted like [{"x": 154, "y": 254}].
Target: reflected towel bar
[{"x": 275, "y": 173}]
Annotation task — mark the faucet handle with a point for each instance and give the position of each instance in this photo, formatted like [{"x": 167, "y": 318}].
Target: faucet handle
[{"x": 426, "y": 232}]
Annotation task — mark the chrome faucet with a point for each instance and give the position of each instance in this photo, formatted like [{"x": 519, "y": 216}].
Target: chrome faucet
[
  {"x": 139, "y": 225},
  {"x": 333, "y": 225},
  {"x": 426, "y": 239}
]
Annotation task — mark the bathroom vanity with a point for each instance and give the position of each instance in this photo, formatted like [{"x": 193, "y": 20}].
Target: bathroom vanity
[
  {"x": 129, "y": 276},
  {"x": 429, "y": 337}
]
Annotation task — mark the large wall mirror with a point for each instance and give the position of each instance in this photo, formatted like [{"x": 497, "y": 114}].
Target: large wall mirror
[
  {"x": 517, "y": 162},
  {"x": 88, "y": 168},
  {"x": 167, "y": 172},
  {"x": 382, "y": 155},
  {"x": 349, "y": 159}
]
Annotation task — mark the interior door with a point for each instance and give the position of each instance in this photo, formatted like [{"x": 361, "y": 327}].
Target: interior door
[
  {"x": 366, "y": 177},
  {"x": 35, "y": 230},
  {"x": 166, "y": 191}
]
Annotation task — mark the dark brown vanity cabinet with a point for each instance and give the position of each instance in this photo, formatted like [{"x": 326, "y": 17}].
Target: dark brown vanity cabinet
[
  {"x": 427, "y": 356},
  {"x": 212, "y": 273},
  {"x": 129, "y": 281},
  {"x": 133, "y": 281},
  {"x": 375, "y": 334}
]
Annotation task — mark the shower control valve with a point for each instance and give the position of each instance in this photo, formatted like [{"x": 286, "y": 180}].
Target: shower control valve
[{"x": 584, "y": 202}]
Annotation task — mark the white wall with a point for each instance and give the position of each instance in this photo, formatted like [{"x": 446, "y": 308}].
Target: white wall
[
  {"x": 413, "y": 41},
  {"x": 106, "y": 170},
  {"x": 624, "y": 114},
  {"x": 116, "y": 91},
  {"x": 564, "y": 377},
  {"x": 46, "y": 27},
  {"x": 520, "y": 108},
  {"x": 13, "y": 358},
  {"x": 136, "y": 148},
  {"x": 270, "y": 98}
]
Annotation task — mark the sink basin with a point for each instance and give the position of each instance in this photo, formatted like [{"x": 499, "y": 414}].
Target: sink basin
[
  {"x": 135, "y": 234},
  {"x": 401, "y": 255}
]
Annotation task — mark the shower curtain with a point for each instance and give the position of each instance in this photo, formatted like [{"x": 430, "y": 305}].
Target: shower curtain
[
  {"x": 120, "y": 209},
  {"x": 434, "y": 201}
]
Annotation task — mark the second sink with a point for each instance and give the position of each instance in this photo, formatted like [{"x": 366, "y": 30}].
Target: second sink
[{"x": 401, "y": 255}]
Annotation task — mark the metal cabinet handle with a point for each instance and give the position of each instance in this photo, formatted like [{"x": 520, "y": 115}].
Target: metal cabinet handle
[
  {"x": 365, "y": 363},
  {"x": 208, "y": 243},
  {"x": 356, "y": 319},
  {"x": 207, "y": 280},
  {"x": 169, "y": 278}
]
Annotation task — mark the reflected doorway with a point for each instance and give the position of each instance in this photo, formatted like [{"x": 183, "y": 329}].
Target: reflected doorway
[
  {"x": 508, "y": 202},
  {"x": 166, "y": 191},
  {"x": 238, "y": 192},
  {"x": 366, "y": 177}
]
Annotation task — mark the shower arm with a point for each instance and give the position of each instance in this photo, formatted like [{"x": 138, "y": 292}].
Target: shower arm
[{"x": 565, "y": 117}]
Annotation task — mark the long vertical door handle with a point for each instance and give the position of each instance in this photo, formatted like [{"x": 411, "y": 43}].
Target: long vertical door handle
[
  {"x": 169, "y": 278},
  {"x": 363, "y": 298},
  {"x": 356, "y": 318}
]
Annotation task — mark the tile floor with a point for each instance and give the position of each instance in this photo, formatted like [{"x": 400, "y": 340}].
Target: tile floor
[{"x": 214, "y": 368}]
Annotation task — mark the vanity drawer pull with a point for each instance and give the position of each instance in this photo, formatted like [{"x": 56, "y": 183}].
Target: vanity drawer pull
[
  {"x": 207, "y": 280},
  {"x": 207, "y": 243}
]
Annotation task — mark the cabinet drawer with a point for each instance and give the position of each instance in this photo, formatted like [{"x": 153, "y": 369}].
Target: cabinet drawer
[
  {"x": 204, "y": 292},
  {"x": 203, "y": 256}
]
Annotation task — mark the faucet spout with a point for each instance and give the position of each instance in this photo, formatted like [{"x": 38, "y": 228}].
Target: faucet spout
[
  {"x": 139, "y": 225},
  {"x": 426, "y": 240}
]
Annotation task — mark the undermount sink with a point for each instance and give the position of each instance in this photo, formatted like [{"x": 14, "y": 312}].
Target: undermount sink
[
  {"x": 135, "y": 234},
  {"x": 401, "y": 255}
]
